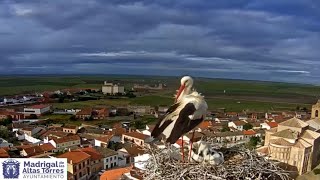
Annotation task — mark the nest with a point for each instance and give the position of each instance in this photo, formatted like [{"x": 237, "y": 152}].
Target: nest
[{"x": 240, "y": 163}]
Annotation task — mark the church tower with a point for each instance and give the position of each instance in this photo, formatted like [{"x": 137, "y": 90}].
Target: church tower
[{"x": 315, "y": 113}]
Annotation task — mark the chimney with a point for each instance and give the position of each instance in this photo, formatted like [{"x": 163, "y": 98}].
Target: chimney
[
  {"x": 70, "y": 161},
  {"x": 69, "y": 150}
]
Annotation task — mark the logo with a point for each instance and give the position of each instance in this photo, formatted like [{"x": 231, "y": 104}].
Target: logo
[{"x": 11, "y": 169}]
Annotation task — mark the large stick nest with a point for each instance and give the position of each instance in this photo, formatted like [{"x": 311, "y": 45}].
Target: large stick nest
[{"x": 240, "y": 163}]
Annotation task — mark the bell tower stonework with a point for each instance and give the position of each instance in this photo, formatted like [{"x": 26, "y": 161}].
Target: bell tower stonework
[{"x": 315, "y": 113}]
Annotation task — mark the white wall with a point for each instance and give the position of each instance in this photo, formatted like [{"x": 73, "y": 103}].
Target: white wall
[
  {"x": 107, "y": 161},
  {"x": 31, "y": 139},
  {"x": 146, "y": 132},
  {"x": 32, "y": 111},
  {"x": 44, "y": 110},
  {"x": 36, "y": 111},
  {"x": 231, "y": 124},
  {"x": 107, "y": 89},
  {"x": 53, "y": 143},
  {"x": 264, "y": 126},
  {"x": 141, "y": 161},
  {"x": 122, "y": 158},
  {"x": 97, "y": 143}
]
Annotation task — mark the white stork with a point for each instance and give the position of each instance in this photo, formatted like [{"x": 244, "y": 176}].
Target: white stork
[{"x": 185, "y": 114}]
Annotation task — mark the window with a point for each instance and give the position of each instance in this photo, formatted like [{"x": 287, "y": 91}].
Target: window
[
  {"x": 83, "y": 164},
  {"x": 80, "y": 174},
  {"x": 114, "y": 164},
  {"x": 107, "y": 166},
  {"x": 75, "y": 177},
  {"x": 317, "y": 113},
  {"x": 79, "y": 166},
  {"x": 74, "y": 168},
  {"x": 107, "y": 160}
]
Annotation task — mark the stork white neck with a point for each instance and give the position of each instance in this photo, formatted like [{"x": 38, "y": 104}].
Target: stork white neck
[{"x": 185, "y": 88}]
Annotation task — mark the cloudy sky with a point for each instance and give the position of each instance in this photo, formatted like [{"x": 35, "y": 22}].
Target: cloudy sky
[{"x": 258, "y": 39}]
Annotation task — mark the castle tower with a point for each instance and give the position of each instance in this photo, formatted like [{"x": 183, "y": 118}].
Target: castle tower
[{"x": 315, "y": 113}]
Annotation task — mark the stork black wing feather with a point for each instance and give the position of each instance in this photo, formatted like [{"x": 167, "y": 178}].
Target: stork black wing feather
[
  {"x": 182, "y": 123},
  {"x": 193, "y": 124},
  {"x": 159, "y": 129}
]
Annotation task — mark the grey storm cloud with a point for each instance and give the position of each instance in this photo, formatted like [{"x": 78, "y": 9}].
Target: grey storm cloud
[{"x": 263, "y": 40}]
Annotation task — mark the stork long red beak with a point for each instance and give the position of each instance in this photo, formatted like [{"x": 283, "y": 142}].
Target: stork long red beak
[{"x": 180, "y": 91}]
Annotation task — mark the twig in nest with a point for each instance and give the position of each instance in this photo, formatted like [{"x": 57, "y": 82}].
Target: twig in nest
[{"x": 240, "y": 163}]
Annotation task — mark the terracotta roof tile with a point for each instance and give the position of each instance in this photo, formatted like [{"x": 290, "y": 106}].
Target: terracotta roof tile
[
  {"x": 118, "y": 131},
  {"x": 75, "y": 156},
  {"x": 47, "y": 147},
  {"x": 86, "y": 111},
  {"x": 134, "y": 150},
  {"x": 106, "y": 152},
  {"x": 24, "y": 146},
  {"x": 67, "y": 139},
  {"x": 239, "y": 123},
  {"x": 95, "y": 155},
  {"x": 249, "y": 132},
  {"x": 272, "y": 124},
  {"x": 3, "y": 153},
  {"x": 137, "y": 135},
  {"x": 115, "y": 174},
  {"x": 105, "y": 138},
  {"x": 204, "y": 124},
  {"x": 35, "y": 150}
]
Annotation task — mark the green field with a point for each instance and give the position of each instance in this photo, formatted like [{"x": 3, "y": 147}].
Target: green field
[{"x": 239, "y": 94}]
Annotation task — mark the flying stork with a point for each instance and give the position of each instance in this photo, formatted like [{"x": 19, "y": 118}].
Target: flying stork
[{"x": 185, "y": 114}]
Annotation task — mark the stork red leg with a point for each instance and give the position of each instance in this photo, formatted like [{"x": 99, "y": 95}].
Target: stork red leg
[
  {"x": 191, "y": 142},
  {"x": 182, "y": 148}
]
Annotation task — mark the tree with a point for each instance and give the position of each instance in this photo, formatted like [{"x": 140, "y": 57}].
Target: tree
[
  {"x": 253, "y": 142},
  {"x": 138, "y": 125},
  {"x": 225, "y": 128},
  {"x": 114, "y": 145},
  {"x": 247, "y": 126},
  {"x": 130, "y": 95},
  {"x": 61, "y": 99},
  {"x": 4, "y": 133},
  {"x": 88, "y": 119},
  {"x": 6, "y": 121},
  {"x": 54, "y": 96},
  {"x": 73, "y": 118}
]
